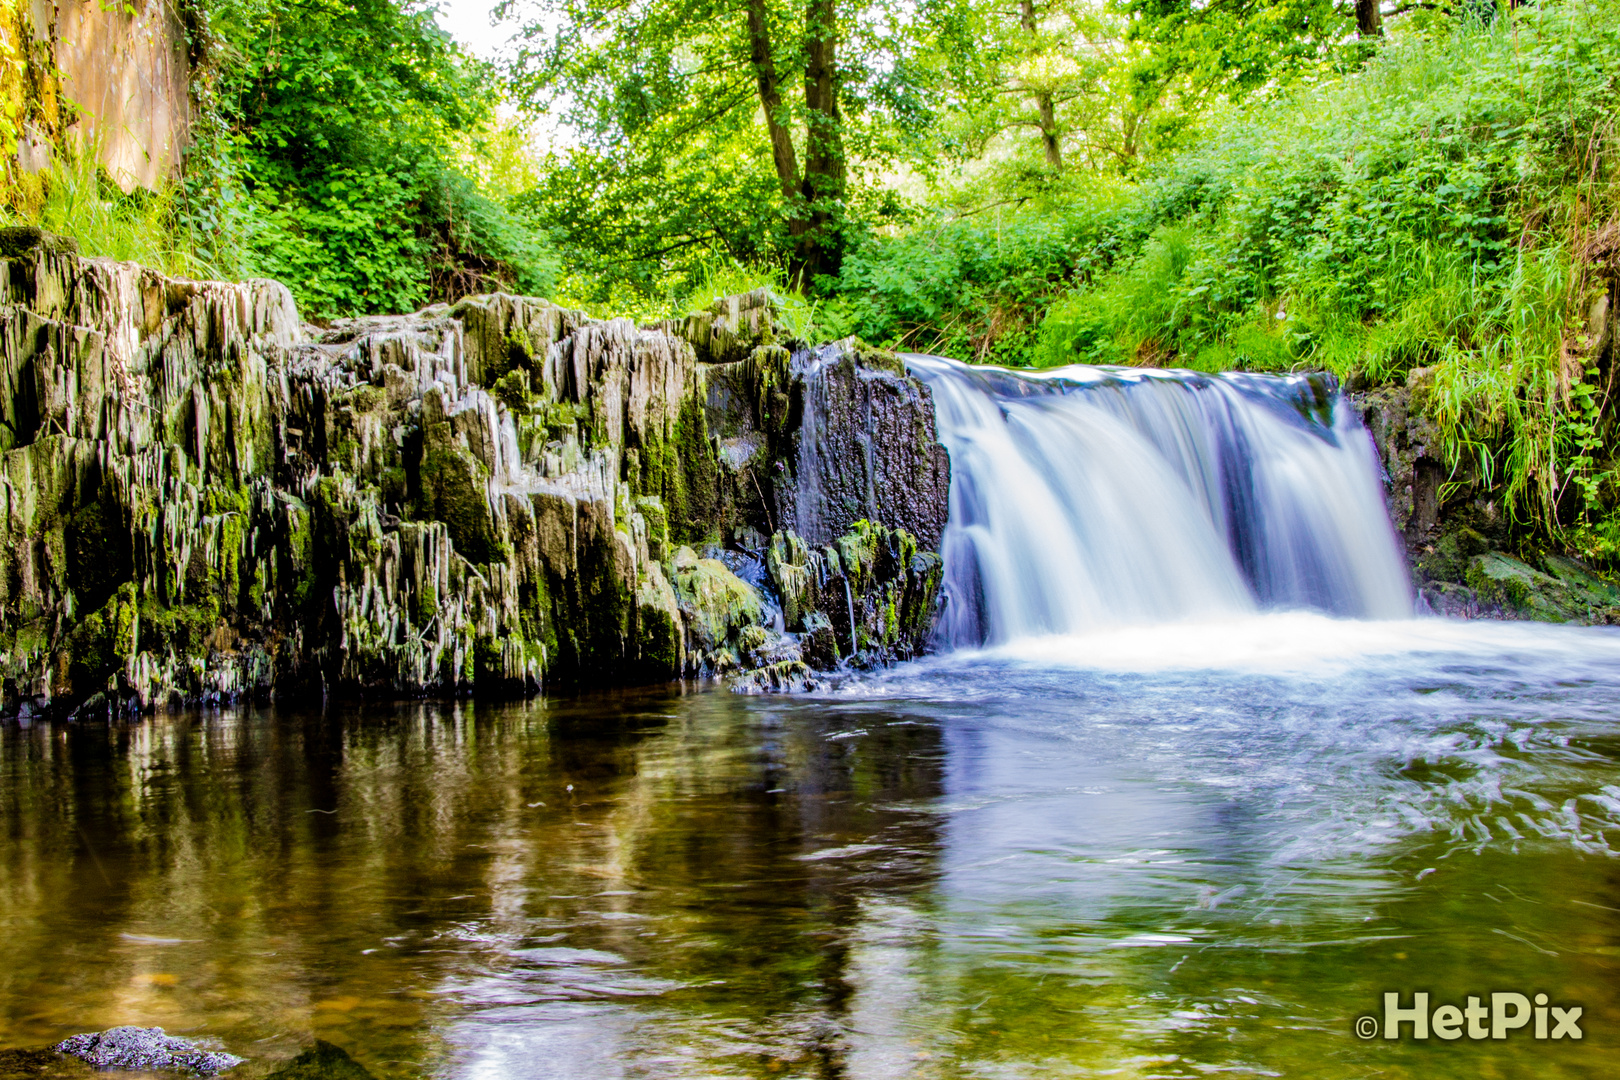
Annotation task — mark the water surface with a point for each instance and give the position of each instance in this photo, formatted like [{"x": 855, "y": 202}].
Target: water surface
[{"x": 1194, "y": 850}]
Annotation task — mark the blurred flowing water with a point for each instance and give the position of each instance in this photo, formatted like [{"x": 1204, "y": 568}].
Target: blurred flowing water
[
  {"x": 1086, "y": 497},
  {"x": 1153, "y": 816}
]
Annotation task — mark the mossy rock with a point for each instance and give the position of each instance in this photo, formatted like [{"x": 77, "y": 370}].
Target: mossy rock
[
  {"x": 17, "y": 241},
  {"x": 1501, "y": 579},
  {"x": 1588, "y": 584},
  {"x": 716, "y": 602},
  {"x": 323, "y": 1061},
  {"x": 785, "y": 677}
]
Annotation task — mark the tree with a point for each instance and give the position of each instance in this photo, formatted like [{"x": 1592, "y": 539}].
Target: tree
[
  {"x": 801, "y": 104},
  {"x": 1234, "y": 47},
  {"x": 334, "y": 125}
]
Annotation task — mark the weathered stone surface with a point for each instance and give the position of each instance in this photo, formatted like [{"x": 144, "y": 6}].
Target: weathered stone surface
[
  {"x": 147, "y": 1049},
  {"x": 870, "y": 596},
  {"x": 202, "y": 499},
  {"x": 866, "y": 449}
]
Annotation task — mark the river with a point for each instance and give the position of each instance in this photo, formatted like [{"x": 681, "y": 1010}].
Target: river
[{"x": 1204, "y": 848}]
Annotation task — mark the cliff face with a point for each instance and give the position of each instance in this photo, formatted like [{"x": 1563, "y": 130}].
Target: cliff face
[{"x": 205, "y": 499}]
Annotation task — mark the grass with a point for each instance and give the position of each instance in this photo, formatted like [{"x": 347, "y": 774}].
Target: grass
[
  {"x": 687, "y": 296},
  {"x": 78, "y": 200}
]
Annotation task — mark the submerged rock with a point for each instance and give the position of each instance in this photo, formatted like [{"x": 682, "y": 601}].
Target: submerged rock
[
  {"x": 40, "y": 1065},
  {"x": 323, "y": 1061},
  {"x": 145, "y": 1048},
  {"x": 205, "y": 500}
]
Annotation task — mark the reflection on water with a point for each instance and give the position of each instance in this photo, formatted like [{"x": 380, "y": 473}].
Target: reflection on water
[{"x": 1069, "y": 858}]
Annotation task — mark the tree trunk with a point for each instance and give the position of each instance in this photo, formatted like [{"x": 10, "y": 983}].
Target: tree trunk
[
  {"x": 1369, "y": 19},
  {"x": 1043, "y": 98},
  {"x": 770, "y": 98},
  {"x": 824, "y": 168}
]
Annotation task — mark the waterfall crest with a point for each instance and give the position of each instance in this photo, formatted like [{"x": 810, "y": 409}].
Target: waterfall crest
[{"x": 1089, "y": 497}]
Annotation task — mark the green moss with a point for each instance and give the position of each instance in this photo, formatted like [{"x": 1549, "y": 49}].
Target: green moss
[
  {"x": 658, "y": 642},
  {"x": 125, "y": 622},
  {"x": 690, "y": 478},
  {"x": 89, "y": 651},
  {"x": 232, "y": 543},
  {"x": 96, "y": 545},
  {"x": 257, "y": 589},
  {"x": 453, "y": 484},
  {"x": 716, "y": 602},
  {"x": 185, "y": 628},
  {"x": 426, "y": 603},
  {"x": 520, "y": 349},
  {"x": 393, "y": 486},
  {"x": 300, "y": 540},
  {"x": 513, "y": 390},
  {"x": 564, "y": 418},
  {"x": 487, "y": 668},
  {"x": 651, "y": 509},
  {"x": 225, "y": 499}
]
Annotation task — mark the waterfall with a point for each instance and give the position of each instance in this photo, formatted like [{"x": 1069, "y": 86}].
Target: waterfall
[{"x": 1089, "y": 497}]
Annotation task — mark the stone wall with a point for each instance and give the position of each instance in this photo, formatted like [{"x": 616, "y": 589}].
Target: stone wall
[
  {"x": 116, "y": 80},
  {"x": 204, "y": 499}
]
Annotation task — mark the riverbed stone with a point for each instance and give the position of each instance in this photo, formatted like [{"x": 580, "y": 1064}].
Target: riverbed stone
[
  {"x": 131, "y": 1047},
  {"x": 323, "y": 1061}
]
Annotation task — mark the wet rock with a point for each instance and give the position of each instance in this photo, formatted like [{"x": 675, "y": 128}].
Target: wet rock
[
  {"x": 874, "y": 592},
  {"x": 1565, "y": 591},
  {"x": 204, "y": 500},
  {"x": 1464, "y": 561},
  {"x": 323, "y": 1061},
  {"x": 785, "y": 677},
  {"x": 867, "y": 450},
  {"x": 145, "y": 1048},
  {"x": 717, "y": 605},
  {"x": 1409, "y": 444}
]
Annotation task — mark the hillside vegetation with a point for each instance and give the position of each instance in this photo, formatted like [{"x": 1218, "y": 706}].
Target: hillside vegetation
[{"x": 1449, "y": 206}]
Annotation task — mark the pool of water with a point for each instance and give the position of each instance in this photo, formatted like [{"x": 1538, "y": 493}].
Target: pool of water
[{"x": 1195, "y": 850}]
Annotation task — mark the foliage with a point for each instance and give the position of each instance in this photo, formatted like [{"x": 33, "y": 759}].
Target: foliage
[
  {"x": 327, "y": 157},
  {"x": 1443, "y": 208},
  {"x": 82, "y": 202},
  {"x": 749, "y": 132}
]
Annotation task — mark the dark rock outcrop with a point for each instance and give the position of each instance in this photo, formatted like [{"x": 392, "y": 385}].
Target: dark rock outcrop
[
  {"x": 323, "y": 1061},
  {"x": 1458, "y": 542},
  {"x": 205, "y": 499}
]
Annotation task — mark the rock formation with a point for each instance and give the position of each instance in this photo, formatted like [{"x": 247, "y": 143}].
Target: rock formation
[
  {"x": 205, "y": 499},
  {"x": 1458, "y": 542}
]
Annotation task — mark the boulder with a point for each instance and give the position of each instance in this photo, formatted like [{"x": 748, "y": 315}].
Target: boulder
[{"x": 148, "y": 1049}]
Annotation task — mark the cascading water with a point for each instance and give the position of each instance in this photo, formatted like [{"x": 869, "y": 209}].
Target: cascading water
[{"x": 1090, "y": 497}]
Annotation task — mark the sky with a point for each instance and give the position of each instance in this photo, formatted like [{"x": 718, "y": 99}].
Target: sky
[{"x": 468, "y": 21}]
